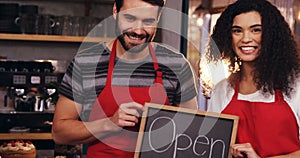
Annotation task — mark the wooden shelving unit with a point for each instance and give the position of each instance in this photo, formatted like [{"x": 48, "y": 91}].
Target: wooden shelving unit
[{"x": 52, "y": 38}]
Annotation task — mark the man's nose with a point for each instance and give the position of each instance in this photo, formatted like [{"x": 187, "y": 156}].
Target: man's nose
[{"x": 138, "y": 26}]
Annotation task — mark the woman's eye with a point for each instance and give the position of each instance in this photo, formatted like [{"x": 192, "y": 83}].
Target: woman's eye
[
  {"x": 236, "y": 31},
  {"x": 257, "y": 30}
]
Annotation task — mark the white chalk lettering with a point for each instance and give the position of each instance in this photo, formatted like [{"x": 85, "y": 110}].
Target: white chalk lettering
[
  {"x": 176, "y": 143},
  {"x": 198, "y": 143},
  {"x": 213, "y": 143},
  {"x": 173, "y": 134}
]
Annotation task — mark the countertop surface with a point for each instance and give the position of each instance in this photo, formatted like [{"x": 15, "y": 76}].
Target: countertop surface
[{"x": 13, "y": 111}]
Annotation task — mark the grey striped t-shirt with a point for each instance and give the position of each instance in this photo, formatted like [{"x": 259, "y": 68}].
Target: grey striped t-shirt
[{"x": 86, "y": 75}]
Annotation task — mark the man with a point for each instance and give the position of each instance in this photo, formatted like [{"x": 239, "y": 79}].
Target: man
[{"x": 124, "y": 74}]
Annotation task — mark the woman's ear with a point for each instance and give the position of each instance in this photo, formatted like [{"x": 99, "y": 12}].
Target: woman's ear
[{"x": 115, "y": 11}]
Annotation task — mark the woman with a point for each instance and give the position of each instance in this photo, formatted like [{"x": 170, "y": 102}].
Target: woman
[{"x": 263, "y": 88}]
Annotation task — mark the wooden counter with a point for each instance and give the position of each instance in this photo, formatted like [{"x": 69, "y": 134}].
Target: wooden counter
[{"x": 26, "y": 136}]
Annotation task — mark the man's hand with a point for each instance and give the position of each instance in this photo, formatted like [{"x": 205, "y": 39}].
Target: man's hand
[{"x": 127, "y": 114}]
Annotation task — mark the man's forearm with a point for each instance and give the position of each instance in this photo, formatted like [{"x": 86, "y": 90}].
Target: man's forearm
[{"x": 77, "y": 132}]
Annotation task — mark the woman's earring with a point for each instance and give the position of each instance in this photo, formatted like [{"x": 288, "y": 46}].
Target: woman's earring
[{"x": 238, "y": 63}]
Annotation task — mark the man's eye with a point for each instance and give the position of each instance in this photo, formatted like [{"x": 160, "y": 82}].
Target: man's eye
[
  {"x": 129, "y": 18},
  {"x": 149, "y": 22}
]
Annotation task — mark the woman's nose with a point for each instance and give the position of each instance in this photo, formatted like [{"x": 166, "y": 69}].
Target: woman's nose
[{"x": 246, "y": 37}]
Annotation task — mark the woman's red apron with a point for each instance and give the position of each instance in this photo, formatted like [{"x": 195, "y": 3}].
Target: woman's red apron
[
  {"x": 271, "y": 128},
  {"x": 122, "y": 144}
]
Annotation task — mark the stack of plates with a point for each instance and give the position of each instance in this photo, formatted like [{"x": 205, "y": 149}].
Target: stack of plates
[
  {"x": 19, "y": 129},
  {"x": 8, "y": 13}
]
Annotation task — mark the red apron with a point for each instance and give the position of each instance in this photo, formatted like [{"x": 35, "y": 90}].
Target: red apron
[
  {"x": 271, "y": 128},
  {"x": 122, "y": 144}
]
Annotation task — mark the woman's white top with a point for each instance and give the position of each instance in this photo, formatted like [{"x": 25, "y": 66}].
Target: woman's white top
[{"x": 222, "y": 94}]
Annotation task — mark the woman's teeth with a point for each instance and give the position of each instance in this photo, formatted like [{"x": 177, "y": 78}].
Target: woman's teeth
[{"x": 247, "y": 48}]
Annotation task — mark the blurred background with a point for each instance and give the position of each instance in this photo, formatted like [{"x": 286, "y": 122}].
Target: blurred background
[{"x": 38, "y": 39}]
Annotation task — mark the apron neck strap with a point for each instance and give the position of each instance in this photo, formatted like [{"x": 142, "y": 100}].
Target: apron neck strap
[
  {"x": 111, "y": 63},
  {"x": 158, "y": 77},
  {"x": 236, "y": 88}
]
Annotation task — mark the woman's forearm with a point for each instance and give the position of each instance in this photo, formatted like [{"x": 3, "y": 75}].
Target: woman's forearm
[{"x": 295, "y": 154}]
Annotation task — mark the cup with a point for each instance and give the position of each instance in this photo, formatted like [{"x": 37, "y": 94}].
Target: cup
[
  {"x": 28, "y": 23},
  {"x": 67, "y": 25},
  {"x": 46, "y": 24},
  {"x": 57, "y": 29},
  {"x": 77, "y": 26}
]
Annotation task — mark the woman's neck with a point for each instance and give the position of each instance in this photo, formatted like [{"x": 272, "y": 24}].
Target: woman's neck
[
  {"x": 247, "y": 72},
  {"x": 247, "y": 84}
]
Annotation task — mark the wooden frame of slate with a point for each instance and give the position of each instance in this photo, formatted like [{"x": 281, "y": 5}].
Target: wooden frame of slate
[{"x": 169, "y": 132}]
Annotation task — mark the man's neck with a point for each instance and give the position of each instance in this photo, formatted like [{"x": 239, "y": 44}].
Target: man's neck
[
  {"x": 121, "y": 53},
  {"x": 132, "y": 56}
]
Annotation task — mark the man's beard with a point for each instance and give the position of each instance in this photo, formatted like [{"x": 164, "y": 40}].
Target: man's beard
[{"x": 133, "y": 48}]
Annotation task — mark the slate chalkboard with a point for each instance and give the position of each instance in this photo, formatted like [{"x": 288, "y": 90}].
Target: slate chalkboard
[{"x": 173, "y": 132}]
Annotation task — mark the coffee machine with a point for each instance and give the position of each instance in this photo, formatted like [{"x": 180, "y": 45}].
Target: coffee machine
[{"x": 30, "y": 85}]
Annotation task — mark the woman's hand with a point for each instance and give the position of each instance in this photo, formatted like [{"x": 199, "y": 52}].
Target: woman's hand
[{"x": 243, "y": 151}]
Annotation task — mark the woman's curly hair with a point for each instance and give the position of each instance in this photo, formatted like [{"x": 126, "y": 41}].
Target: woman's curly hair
[{"x": 277, "y": 66}]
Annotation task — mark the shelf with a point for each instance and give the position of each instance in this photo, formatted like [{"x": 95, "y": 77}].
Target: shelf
[
  {"x": 82, "y": 1},
  {"x": 13, "y": 112},
  {"x": 26, "y": 136},
  {"x": 52, "y": 38}
]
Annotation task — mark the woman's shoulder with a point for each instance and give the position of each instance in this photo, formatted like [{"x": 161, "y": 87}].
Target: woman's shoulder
[
  {"x": 295, "y": 93},
  {"x": 222, "y": 89},
  {"x": 221, "y": 95},
  {"x": 294, "y": 99},
  {"x": 222, "y": 85}
]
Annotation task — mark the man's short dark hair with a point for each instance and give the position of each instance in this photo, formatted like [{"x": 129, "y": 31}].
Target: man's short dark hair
[{"x": 160, "y": 3}]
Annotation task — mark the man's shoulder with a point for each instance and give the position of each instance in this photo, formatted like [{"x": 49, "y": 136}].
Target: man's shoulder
[
  {"x": 170, "y": 57},
  {"x": 92, "y": 49},
  {"x": 167, "y": 51},
  {"x": 92, "y": 53}
]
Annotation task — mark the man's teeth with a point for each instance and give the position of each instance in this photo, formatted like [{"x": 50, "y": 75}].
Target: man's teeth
[
  {"x": 247, "y": 48},
  {"x": 135, "y": 37}
]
